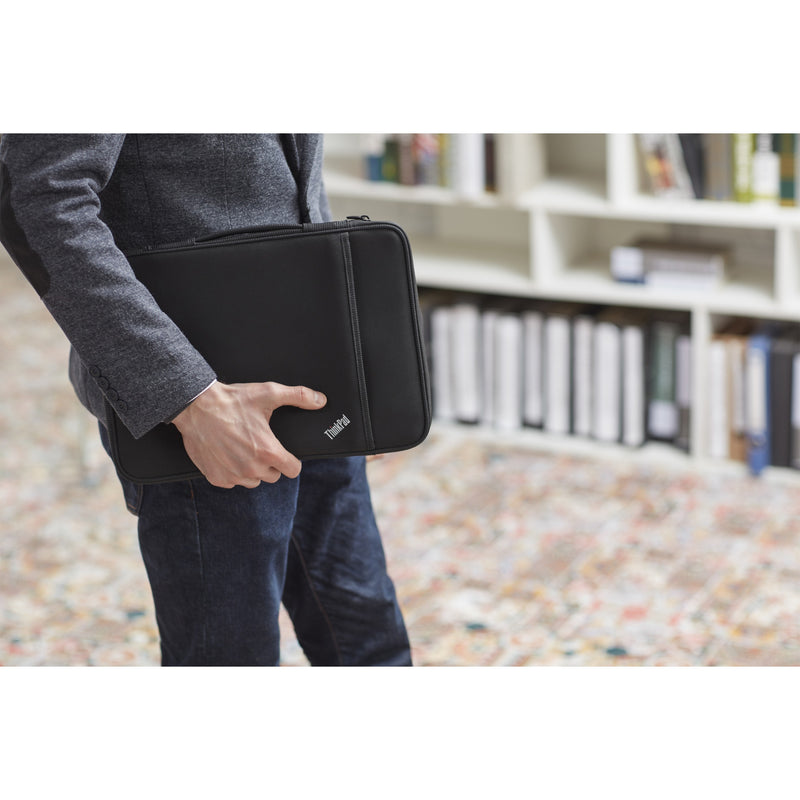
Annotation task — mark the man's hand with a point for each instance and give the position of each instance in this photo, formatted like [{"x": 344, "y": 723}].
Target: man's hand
[{"x": 227, "y": 435}]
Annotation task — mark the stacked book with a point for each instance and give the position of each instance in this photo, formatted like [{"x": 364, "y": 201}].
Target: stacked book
[
  {"x": 737, "y": 167},
  {"x": 610, "y": 374},
  {"x": 667, "y": 264},
  {"x": 470, "y": 164},
  {"x": 754, "y": 395}
]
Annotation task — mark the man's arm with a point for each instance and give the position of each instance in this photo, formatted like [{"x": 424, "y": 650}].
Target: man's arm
[
  {"x": 50, "y": 225},
  {"x": 145, "y": 366}
]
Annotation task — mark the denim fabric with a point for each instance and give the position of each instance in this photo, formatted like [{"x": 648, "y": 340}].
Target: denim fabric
[{"x": 221, "y": 561}]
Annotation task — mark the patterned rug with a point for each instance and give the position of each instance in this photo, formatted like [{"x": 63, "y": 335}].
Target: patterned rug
[{"x": 502, "y": 552}]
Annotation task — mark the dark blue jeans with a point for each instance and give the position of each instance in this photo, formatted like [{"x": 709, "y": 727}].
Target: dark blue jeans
[{"x": 221, "y": 561}]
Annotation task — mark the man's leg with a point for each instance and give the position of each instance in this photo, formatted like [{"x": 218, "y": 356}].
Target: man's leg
[
  {"x": 338, "y": 593},
  {"x": 216, "y": 561}
]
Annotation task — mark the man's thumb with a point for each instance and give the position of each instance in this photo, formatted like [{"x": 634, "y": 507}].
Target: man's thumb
[{"x": 299, "y": 396}]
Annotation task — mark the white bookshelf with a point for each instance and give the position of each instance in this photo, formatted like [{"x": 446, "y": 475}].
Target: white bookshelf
[{"x": 552, "y": 241}]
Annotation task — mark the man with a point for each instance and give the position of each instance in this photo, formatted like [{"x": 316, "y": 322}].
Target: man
[{"x": 221, "y": 553}]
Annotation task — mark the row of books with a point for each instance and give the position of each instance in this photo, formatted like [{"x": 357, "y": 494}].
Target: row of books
[
  {"x": 740, "y": 167},
  {"x": 470, "y": 164},
  {"x": 754, "y": 395},
  {"x": 614, "y": 375}
]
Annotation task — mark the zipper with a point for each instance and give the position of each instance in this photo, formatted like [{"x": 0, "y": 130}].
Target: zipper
[
  {"x": 355, "y": 328},
  {"x": 245, "y": 234}
]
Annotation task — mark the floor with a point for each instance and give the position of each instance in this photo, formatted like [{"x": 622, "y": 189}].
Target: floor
[{"x": 503, "y": 553}]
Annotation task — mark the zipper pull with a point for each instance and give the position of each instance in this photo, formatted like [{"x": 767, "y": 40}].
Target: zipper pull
[{"x": 363, "y": 218}]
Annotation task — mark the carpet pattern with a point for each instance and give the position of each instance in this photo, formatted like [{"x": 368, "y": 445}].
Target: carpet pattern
[{"x": 504, "y": 552}]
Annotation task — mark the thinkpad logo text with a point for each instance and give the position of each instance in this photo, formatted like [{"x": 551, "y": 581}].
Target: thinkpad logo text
[{"x": 337, "y": 427}]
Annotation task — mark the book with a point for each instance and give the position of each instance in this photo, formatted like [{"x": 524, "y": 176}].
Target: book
[
  {"x": 533, "y": 354},
  {"x": 435, "y": 308},
  {"x": 797, "y": 168},
  {"x": 445, "y": 159},
  {"x": 490, "y": 162},
  {"x": 766, "y": 171},
  {"x": 785, "y": 146},
  {"x": 662, "y": 417},
  {"x": 508, "y": 372},
  {"x": 426, "y": 156},
  {"x": 390, "y": 164},
  {"x": 634, "y": 408},
  {"x": 670, "y": 264},
  {"x": 795, "y": 446},
  {"x": 736, "y": 345},
  {"x": 490, "y": 311},
  {"x": 627, "y": 263},
  {"x": 372, "y": 148},
  {"x": 441, "y": 363},
  {"x": 519, "y": 163},
  {"x": 465, "y": 338},
  {"x": 742, "y": 154},
  {"x": 467, "y": 164},
  {"x": 406, "y": 173},
  {"x": 693, "y": 156},
  {"x": 718, "y": 163},
  {"x": 428, "y": 300},
  {"x": 782, "y": 353},
  {"x": 409, "y": 159},
  {"x": 607, "y": 381},
  {"x": 728, "y": 391},
  {"x": 683, "y": 390},
  {"x": 757, "y": 401},
  {"x": 488, "y": 380},
  {"x": 582, "y": 393},
  {"x": 718, "y": 400},
  {"x": 557, "y": 372},
  {"x": 664, "y": 165}
]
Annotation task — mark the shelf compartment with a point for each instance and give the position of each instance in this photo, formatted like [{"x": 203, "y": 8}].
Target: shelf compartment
[
  {"x": 573, "y": 256},
  {"x": 706, "y": 212},
  {"x": 469, "y": 266},
  {"x": 787, "y": 265},
  {"x": 344, "y": 178},
  {"x": 589, "y": 278}
]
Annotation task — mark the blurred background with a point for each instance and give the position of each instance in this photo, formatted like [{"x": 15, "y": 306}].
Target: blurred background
[{"x": 611, "y": 322}]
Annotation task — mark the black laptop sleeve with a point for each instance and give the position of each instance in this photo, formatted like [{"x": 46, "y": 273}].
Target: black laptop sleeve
[{"x": 332, "y": 306}]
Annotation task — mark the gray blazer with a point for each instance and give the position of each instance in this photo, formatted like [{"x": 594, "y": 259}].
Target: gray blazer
[{"x": 71, "y": 205}]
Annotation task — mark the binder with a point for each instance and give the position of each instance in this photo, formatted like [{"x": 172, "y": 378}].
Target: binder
[
  {"x": 509, "y": 372},
  {"x": 662, "y": 402},
  {"x": 781, "y": 369},
  {"x": 607, "y": 382},
  {"x": 634, "y": 412},
  {"x": 758, "y": 402},
  {"x": 557, "y": 373},
  {"x": 465, "y": 339},
  {"x": 533, "y": 332},
  {"x": 582, "y": 337}
]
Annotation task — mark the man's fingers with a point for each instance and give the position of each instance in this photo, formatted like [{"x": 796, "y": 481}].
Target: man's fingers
[
  {"x": 226, "y": 432},
  {"x": 299, "y": 396},
  {"x": 284, "y": 463}
]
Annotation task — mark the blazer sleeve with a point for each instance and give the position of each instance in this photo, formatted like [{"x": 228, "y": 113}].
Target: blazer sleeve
[{"x": 50, "y": 225}]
